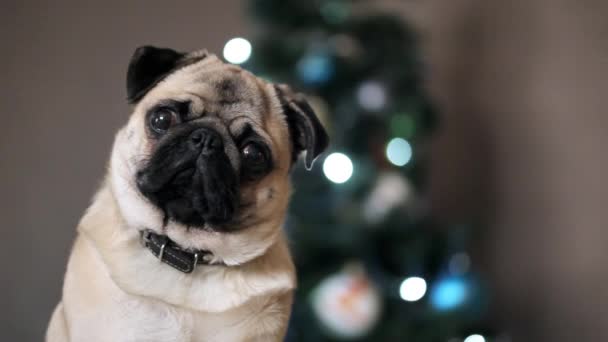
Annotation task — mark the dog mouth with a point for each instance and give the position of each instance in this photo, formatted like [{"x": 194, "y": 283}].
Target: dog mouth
[{"x": 198, "y": 192}]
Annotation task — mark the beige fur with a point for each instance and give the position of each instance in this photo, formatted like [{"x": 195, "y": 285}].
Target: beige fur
[{"x": 115, "y": 290}]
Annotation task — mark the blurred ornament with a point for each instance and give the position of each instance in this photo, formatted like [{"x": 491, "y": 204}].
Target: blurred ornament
[
  {"x": 390, "y": 191},
  {"x": 237, "y": 50},
  {"x": 398, "y": 151},
  {"x": 338, "y": 168},
  {"x": 459, "y": 264},
  {"x": 347, "y": 303},
  {"x": 371, "y": 96},
  {"x": 449, "y": 293},
  {"x": 412, "y": 289},
  {"x": 315, "y": 68},
  {"x": 403, "y": 125},
  {"x": 335, "y": 11}
]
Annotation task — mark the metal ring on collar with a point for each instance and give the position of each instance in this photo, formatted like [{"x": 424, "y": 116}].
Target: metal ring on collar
[
  {"x": 162, "y": 251},
  {"x": 195, "y": 259}
]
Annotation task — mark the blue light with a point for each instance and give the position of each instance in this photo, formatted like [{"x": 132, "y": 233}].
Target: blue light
[
  {"x": 449, "y": 293},
  {"x": 399, "y": 151},
  {"x": 315, "y": 68}
]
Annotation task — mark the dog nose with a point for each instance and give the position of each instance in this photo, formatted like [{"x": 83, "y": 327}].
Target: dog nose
[{"x": 206, "y": 141}]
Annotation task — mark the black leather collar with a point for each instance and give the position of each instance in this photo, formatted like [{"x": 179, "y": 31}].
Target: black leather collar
[{"x": 171, "y": 254}]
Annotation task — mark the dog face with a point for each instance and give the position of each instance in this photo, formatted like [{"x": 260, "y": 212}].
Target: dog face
[{"x": 206, "y": 154}]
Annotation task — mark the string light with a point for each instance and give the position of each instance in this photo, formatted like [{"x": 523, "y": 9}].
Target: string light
[
  {"x": 412, "y": 289},
  {"x": 475, "y": 338},
  {"x": 315, "y": 68},
  {"x": 237, "y": 50},
  {"x": 399, "y": 151},
  {"x": 449, "y": 293},
  {"x": 338, "y": 168},
  {"x": 371, "y": 95}
]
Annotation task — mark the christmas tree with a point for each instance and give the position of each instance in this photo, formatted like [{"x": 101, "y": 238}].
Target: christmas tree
[{"x": 372, "y": 264}]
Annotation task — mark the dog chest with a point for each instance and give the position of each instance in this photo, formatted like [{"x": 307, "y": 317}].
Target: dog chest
[
  {"x": 132, "y": 320},
  {"x": 98, "y": 310}
]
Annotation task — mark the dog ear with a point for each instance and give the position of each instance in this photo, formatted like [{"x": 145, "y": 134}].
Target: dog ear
[
  {"x": 307, "y": 133},
  {"x": 148, "y": 66}
]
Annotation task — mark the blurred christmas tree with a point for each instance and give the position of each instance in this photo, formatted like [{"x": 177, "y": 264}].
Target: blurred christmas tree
[{"x": 364, "y": 245}]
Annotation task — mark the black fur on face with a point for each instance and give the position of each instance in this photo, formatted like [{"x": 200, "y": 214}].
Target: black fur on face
[
  {"x": 189, "y": 175},
  {"x": 191, "y": 187}
]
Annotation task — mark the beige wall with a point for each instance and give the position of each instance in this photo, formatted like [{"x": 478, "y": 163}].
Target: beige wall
[
  {"x": 62, "y": 99},
  {"x": 524, "y": 85},
  {"x": 521, "y": 83}
]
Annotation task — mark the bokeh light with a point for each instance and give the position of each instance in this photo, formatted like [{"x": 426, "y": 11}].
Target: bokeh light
[
  {"x": 449, "y": 293},
  {"x": 316, "y": 68},
  {"x": 371, "y": 96},
  {"x": 475, "y": 338},
  {"x": 237, "y": 50},
  {"x": 338, "y": 168},
  {"x": 412, "y": 289},
  {"x": 399, "y": 151}
]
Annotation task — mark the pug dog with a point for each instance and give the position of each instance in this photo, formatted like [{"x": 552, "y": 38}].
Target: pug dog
[{"x": 184, "y": 239}]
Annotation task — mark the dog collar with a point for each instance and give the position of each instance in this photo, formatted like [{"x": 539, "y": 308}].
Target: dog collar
[{"x": 170, "y": 253}]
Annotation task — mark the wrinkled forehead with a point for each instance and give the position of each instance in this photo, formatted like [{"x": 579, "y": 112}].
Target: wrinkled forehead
[{"x": 213, "y": 87}]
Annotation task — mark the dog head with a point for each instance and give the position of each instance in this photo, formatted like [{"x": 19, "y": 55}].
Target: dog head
[{"x": 206, "y": 154}]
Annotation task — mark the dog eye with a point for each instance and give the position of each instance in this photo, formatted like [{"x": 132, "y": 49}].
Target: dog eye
[
  {"x": 162, "y": 120},
  {"x": 255, "y": 161},
  {"x": 253, "y": 154}
]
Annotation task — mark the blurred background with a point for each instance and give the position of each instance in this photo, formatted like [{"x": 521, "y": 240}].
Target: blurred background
[{"x": 462, "y": 198}]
